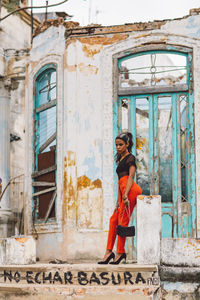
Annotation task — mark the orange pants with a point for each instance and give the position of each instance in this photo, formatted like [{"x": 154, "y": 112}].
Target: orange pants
[{"x": 121, "y": 215}]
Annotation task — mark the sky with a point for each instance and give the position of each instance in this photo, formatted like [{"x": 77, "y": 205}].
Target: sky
[{"x": 114, "y": 12}]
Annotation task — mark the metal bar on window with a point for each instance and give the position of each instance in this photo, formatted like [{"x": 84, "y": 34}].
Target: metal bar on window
[
  {"x": 178, "y": 150},
  {"x": 45, "y": 106},
  {"x": 175, "y": 164},
  {"x": 192, "y": 167},
  {"x": 133, "y": 122},
  {"x": 155, "y": 139},
  {"x": 43, "y": 192},
  {"x": 152, "y": 90},
  {"x": 43, "y": 183},
  {"x": 151, "y": 146},
  {"x": 51, "y": 203},
  {"x": 48, "y": 142},
  {"x": 44, "y": 171}
]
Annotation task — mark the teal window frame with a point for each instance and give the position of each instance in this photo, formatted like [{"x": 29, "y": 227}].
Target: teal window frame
[{"x": 37, "y": 109}]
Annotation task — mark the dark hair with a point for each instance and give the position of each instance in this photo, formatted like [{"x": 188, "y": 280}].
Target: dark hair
[{"x": 127, "y": 137}]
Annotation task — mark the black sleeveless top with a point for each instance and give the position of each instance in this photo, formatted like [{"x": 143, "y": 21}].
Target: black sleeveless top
[{"x": 124, "y": 165}]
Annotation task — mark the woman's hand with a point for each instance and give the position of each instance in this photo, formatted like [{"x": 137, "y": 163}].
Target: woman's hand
[{"x": 125, "y": 199}]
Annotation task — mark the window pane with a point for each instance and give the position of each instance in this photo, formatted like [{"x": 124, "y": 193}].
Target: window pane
[
  {"x": 47, "y": 126},
  {"x": 165, "y": 148},
  {"x": 142, "y": 144},
  {"x": 53, "y": 86},
  {"x": 183, "y": 139},
  {"x": 155, "y": 69},
  {"x": 125, "y": 112},
  {"x": 46, "y": 87}
]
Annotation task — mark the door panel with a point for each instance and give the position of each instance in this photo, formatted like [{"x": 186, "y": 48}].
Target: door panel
[
  {"x": 142, "y": 143},
  {"x": 164, "y": 140},
  {"x": 163, "y": 134}
]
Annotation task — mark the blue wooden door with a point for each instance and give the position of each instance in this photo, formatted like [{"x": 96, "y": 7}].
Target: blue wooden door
[{"x": 163, "y": 129}]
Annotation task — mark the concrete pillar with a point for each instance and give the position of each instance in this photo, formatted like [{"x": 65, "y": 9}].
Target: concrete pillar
[
  {"x": 5, "y": 210},
  {"x": 148, "y": 229}
]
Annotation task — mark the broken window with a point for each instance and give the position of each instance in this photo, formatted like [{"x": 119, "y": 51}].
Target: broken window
[
  {"x": 153, "y": 69},
  {"x": 44, "y": 144}
]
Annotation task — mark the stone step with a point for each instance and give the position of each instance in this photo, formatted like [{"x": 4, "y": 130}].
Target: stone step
[
  {"x": 74, "y": 280},
  {"x": 57, "y": 292}
]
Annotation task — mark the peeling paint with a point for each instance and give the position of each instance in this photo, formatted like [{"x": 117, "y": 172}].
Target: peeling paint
[
  {"x": 140, "y": 142},
  {"x": 22, "y": 240},
  {"x": 91, "y": 50},
  {"x": 69, "y": 188},
  {"x": 103, "y": 40},
  {"x": 83, "y": 182},
  {"x": 89, "y": 203},
  {"x": 71, "y": 68}
]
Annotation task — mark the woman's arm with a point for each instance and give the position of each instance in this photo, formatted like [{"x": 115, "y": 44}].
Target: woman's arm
[{"x": 129, "y": 184}]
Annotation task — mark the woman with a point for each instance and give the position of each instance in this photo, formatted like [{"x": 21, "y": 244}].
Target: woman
[{"x": 127, "y": 194}]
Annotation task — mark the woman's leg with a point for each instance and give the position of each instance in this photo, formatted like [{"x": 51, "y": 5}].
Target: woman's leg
[
  {"x": 125, "y": 214},
  {"x": 112, "y": 230}
]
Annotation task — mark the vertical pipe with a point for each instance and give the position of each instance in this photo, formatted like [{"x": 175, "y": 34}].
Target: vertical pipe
[
  {"x": 5, "y": 145},
  {"x": 0, "y": 8},
  {"x": 46, "y": 10},
  {"x": 175, "y": 164},
  {"x": 31, "y": 20}
]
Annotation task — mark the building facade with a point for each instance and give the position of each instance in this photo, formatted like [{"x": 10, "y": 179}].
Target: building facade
[{"x": 81, "y": 87}]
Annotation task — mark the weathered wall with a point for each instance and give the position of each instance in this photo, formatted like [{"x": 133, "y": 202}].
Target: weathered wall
[
  {"x": 84, "y": 57},
  {"x": 17, "y": 37}
]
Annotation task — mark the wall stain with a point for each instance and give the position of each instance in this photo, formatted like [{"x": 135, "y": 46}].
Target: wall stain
[
  {"x": 91, "y": 50},
  {"x": 83, "y": 182},
  {"x": 71, "y": 68},
  {"x": 71, "y": 160},
  {"x": 97, "y": 183},
  {"x": 88, "y": 69},
  {"x": 69, "y": 188}
]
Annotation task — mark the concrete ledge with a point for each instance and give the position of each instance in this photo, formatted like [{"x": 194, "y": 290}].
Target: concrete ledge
[
  {"x": 180, "y": 252},
  {"x": 24, "y": 292},
  {"x": 179, "y": 274},
  {"x": 17, "y": 250}
]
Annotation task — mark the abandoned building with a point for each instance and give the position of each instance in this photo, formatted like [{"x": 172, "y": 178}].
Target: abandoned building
[{"x": 65, "y": 94}]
